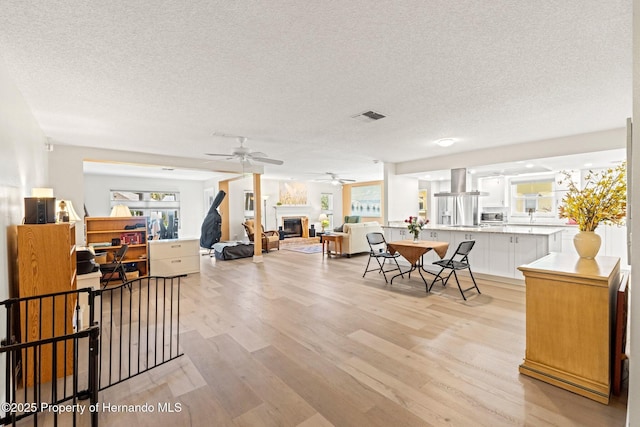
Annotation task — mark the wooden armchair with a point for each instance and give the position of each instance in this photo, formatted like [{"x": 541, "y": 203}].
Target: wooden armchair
[{"x": 270, "y": 239}]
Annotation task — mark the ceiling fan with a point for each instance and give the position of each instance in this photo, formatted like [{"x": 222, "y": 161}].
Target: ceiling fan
[
  {"x": 246, "y": 156},
  {"x": 335, "y": 180}
]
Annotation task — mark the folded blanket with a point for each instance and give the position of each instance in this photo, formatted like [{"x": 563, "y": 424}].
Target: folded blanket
[{"x": 221, "y": 245}]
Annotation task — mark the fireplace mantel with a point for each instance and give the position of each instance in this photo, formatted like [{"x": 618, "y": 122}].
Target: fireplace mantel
[{"x": 303, "y": 211}]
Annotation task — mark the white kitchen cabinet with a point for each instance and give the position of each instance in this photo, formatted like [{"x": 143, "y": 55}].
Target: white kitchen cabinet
[
  {"x": 395, "y": 233},
  {"x": 501, "y": 261},
  {"x": 496, "y": 187},
  {"x": 556, "y": 242},
  {"x": 613, "y": 237},
  {"x": 615, "y": 243},
  {"x": 509, "y": 251},
  {"x": 436, "y": 236},
  {"x": 479, "y": 255},
  {"x": 568, "y": 234},
  {"x": 174, "y": 257},
  {"x": 527, "y": 249},
  {"x": 388, "y": 233}
]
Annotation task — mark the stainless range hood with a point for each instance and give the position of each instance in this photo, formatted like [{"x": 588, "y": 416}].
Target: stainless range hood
[{"x": 459, "y": 185}]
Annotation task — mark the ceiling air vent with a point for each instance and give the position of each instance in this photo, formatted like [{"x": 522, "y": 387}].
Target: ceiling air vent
[{"x": 369, "y": 116}]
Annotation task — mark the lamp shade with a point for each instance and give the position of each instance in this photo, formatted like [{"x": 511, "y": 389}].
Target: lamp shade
[
  {"x": 120, "y": 210},
  {"x": 41, "y": 192},
  {"x": 322, "y": 217},
  {"x": 67, "y": 205}
]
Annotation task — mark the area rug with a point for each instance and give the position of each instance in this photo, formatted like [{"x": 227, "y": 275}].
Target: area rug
[{"x": 305, "y": 249}]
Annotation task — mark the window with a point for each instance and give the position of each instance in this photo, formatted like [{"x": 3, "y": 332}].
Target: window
[
  {"x": 326, "y": 201},
  {"x": 248, "y": 204},
  {"x": 161, "y": 207},
  {"x": 326, "y": 206},
  {"x": 533, "y": 196}
]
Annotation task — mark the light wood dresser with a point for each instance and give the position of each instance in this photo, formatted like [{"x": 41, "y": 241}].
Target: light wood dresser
[
  {"x": 570, "y": 315},
  {"x": 46, "y": 264}
]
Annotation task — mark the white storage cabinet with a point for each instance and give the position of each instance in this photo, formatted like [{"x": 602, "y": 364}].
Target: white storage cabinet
[{"x": 174, "y": 257}]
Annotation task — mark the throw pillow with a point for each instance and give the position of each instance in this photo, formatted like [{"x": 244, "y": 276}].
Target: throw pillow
[
  {"x": 339, "y": 229},
  {"x": 352, "y": 219}
]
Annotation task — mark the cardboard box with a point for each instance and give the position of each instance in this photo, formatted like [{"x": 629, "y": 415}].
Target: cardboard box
[
  {"x": 132, "y": 275},
  {"x": 101, "y": 258}
]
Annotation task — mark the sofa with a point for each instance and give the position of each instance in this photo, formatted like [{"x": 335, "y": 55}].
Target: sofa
[
  {"x": 348, "y": 219},
  {"x": 354, "y": 240}
]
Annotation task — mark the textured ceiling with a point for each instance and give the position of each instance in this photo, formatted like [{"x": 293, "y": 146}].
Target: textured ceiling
[{"x": 164, "y": 76}]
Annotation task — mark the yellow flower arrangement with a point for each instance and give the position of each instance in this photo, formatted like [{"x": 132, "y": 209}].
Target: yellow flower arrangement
[{"x": 603, "y": 198}]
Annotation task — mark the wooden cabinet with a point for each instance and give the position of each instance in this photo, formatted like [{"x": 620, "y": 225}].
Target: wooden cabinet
[
  {"x": 570, "y": 312},
  {"x": 46, "y": 263},
  {"x": 101, "y": 232},
  {"x": 174, "y": 257}
]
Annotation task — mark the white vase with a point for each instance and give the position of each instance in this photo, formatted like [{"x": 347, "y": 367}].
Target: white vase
[{"x": 587, "y": 244}]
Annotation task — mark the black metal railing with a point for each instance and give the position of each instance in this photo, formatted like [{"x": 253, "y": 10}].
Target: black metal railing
[
  {"x": 44, "y": 371},
  {"x": 50, "y": 367},
  {"x": 140, "y": 328}
]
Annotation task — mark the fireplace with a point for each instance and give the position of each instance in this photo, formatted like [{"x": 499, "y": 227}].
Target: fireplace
[
  {"x": 295, "y": 226},
  {"x": 292, "y": 226}
]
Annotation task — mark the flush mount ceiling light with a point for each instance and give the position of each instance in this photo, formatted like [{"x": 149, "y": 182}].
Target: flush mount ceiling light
[{"x": 445, "y": 142}]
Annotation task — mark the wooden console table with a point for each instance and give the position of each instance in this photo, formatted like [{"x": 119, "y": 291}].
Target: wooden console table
[{"x": 570, "y": 316}]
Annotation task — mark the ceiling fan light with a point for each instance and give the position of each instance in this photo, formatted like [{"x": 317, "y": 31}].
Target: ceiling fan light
[{"x": 335, "y": 182}]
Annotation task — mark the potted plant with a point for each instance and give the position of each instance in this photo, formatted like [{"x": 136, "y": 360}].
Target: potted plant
[{"x": 602, "y": 199}]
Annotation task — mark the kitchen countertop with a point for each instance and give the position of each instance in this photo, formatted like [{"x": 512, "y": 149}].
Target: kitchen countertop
[{"x": 540, "y": 230}]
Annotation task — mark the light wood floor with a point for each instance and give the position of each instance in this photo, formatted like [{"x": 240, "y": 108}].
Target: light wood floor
[{"x": 304, "y": 340}]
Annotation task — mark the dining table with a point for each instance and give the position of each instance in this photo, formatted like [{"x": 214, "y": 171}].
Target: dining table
[{"x": 413, "y": 251}]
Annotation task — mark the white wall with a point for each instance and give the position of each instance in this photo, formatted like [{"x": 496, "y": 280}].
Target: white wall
[
  {"x": 633, "y": 415},
  {"x": 192, "y": 209},
  {"x": 24, "y": 166},
  {"x": 400, "y": 195}
]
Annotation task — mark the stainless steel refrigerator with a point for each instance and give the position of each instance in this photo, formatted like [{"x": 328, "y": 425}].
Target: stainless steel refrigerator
[{"x": 460, "y": 209}]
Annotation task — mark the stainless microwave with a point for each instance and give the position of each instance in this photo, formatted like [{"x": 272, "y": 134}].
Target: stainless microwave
[{"x": 491, "y": 217}]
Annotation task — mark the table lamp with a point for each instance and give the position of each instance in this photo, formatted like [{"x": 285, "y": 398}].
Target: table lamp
[
  {"x": 120, "y": 210},
  {"x": 65, "y": 212},
  {"x": 324, "y": 221}
]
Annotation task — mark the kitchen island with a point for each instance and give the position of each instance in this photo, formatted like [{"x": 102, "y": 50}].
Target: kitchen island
[{"x": 499, "y": 249}]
